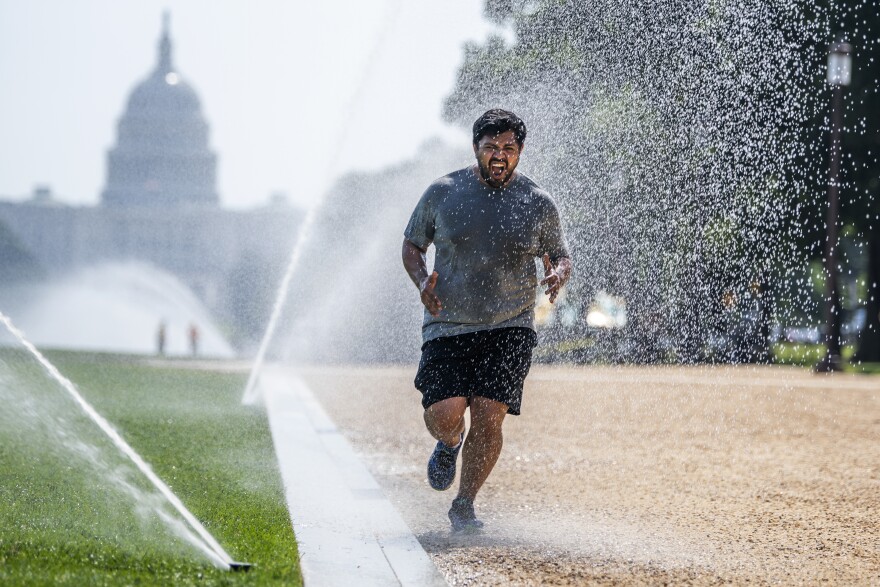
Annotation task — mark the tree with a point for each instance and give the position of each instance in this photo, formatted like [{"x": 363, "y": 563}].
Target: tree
[
  {"x": 668, "y": 140},
  {"x": 859, "y": 22}
]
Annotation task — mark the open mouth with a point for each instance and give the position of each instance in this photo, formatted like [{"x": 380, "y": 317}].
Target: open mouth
[{"x": 497, "y": 169}]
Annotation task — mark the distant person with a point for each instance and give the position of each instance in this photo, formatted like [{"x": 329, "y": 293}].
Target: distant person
[
  {"x": 488, "y": 224},
  {"x": 194, "y": 339},
  {"x": 160, "y": 339}
]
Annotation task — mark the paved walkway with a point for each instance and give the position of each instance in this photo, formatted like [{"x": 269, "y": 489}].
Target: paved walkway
[
  {"x": 347, "y": 531},
  {"x": 624, "y": 475}
]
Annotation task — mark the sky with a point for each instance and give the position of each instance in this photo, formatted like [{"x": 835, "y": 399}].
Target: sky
[{"x": 295, "y": 93}]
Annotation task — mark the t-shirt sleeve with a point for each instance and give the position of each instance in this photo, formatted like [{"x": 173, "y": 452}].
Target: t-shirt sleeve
[
  {"x": 420, "y": 229},
  {"x": 552, "y": 237}
]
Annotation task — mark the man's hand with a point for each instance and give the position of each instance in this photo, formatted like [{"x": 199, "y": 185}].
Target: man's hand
[
  {"x": 414, "y": 263},
  {"x": 429, "y": 298},
  {"x": 555, "y": 277}
]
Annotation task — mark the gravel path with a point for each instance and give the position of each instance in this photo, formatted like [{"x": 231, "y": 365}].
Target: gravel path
[{"x": 644, "y": 476}]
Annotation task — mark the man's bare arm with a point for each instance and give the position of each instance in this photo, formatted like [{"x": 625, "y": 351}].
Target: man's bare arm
[{"x": 417, "y": 269}]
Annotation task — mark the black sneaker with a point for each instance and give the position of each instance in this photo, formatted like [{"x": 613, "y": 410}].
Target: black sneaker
[
  {"x": 463, "y": 518},
  {"x": 441, "y": 465}
]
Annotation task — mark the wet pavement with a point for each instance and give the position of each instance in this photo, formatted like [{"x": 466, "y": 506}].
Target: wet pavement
[{"x": 625, "y": 475}]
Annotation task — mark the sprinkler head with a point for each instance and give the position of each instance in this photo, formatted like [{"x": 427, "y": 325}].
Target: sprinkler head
[{"x": 235, "y": 566}]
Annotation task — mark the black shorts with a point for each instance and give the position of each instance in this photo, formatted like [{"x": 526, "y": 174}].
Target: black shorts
[{"x": 487, "y": 363}]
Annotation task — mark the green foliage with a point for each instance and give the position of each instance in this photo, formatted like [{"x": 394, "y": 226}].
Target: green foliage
[
  {"x": 62, "y": 524},
  {"x": 693, "y": 130},
  {"x": 858, "y": 22},
  {"x": 808, "y": 355},
  {"x": 800, "y": 354}
]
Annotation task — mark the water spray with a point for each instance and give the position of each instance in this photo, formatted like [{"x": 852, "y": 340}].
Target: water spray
[
  {"x": 250, "y": 393},
  {"x": 250, "y": 390},
  {"x": 208, "y": 544}
]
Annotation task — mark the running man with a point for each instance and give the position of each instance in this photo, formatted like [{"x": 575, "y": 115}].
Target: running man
[{"x": 488, "y": 224}]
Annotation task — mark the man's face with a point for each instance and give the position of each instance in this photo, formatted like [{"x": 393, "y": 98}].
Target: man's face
[{"x": 497, "y": 156}]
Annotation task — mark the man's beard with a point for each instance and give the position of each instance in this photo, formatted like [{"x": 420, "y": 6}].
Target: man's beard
[{"x": 486, "y": 174}]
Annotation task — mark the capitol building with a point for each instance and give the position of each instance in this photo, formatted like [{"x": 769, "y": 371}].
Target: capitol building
[{"x": 159, "y": 204}]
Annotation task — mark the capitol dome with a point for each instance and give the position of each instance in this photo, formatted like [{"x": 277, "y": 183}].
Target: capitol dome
[
  {"x": 164, "y": 92},
  {"x": 161, "y": 155}
]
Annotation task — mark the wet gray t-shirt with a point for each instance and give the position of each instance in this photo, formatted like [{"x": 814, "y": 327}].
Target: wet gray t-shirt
[{"x": 486, "y": 243}]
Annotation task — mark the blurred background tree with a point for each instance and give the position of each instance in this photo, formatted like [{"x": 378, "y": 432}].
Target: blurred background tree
[{"x": 687, "y": 147}]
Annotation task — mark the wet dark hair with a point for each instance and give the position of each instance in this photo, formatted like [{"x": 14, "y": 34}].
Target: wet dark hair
[{"x": 496, "y": 121}]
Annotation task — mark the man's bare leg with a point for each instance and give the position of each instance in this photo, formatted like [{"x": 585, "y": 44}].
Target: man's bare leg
[
  {"x": 482, "y": 446},
  {"x": 445, "y": 420}
]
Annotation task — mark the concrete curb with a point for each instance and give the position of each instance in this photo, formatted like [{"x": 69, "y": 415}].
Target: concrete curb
[{"x": 347, "y": 531}]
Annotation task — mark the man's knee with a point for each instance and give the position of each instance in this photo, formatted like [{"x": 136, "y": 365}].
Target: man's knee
[
  {"x": 446, "y": 415},
  {"x": 487, "y": 416}
]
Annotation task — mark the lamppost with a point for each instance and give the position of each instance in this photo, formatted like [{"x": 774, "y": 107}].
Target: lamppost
[{"x": 839, "y": 76}]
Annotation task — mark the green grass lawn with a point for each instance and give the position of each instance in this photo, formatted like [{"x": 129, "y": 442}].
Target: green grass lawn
[{"x": 62, "y": 522}]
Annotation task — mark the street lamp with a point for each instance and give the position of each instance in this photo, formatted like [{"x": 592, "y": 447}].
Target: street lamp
[{"x": 839, "y": 76}]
